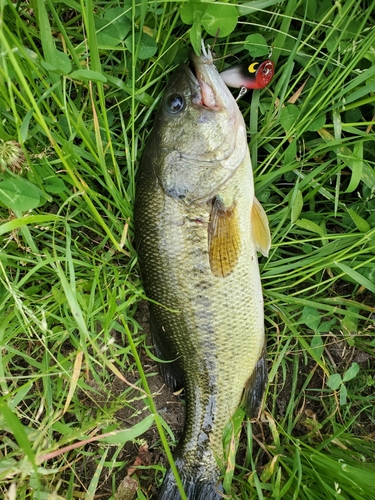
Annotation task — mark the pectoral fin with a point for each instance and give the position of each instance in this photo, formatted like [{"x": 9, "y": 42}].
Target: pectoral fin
[
  {"x": 254, "y": 389},
  {"x": 224, "y": 240},
  {"x": 261, "y": 230}
]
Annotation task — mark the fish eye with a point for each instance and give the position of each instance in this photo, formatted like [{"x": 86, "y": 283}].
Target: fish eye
[{"x": 175, "y": 103}]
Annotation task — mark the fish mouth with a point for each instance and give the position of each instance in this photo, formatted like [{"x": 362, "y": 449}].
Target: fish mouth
[
  {"x": 208, "y": 89},
  {"x": 201, "y": 69}
]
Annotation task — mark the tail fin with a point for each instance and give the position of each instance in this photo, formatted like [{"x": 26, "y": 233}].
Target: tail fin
[{"x": 195, "y": 488}]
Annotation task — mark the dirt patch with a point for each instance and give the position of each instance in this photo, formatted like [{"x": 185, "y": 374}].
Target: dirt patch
[{"x": 149, "y": 450}]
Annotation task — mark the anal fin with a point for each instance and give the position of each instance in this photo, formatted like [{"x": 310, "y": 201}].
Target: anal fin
[{"x": 254, "y": 389}]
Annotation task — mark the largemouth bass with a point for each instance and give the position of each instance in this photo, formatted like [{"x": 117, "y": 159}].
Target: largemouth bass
[{"x": 198, "y": 229}]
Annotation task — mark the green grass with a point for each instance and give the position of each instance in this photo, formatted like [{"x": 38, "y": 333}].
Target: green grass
[{"x": 78, "y": 92}]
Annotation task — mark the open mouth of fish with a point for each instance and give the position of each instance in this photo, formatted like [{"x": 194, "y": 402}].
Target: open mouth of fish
[
  {"x": 210, "y": 93},
  {"x": 203, "y": 77}
]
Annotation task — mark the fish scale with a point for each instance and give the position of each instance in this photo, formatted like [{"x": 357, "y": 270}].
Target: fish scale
[{"x": 198, "y": 262}]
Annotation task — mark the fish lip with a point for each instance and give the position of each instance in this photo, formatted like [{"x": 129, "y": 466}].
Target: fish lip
[
  {"x": 214, "y": 95},
  {"x": 203, "y": 65},
  {"x": 196, "y": 93}
]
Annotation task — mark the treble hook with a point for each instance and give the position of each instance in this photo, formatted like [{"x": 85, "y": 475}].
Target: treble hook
[{"x": 243, "y": 91}]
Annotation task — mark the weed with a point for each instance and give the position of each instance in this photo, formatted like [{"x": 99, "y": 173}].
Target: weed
[{"x": 79, "y": 84}]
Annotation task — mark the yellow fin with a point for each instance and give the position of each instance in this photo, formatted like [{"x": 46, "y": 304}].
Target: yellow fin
[
  {"x": 224, "y": 241},
  {"x": 261, "y": 230}
]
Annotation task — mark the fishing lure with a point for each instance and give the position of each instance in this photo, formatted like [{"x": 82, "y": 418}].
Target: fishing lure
[{"x": 254, "y": 76}]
